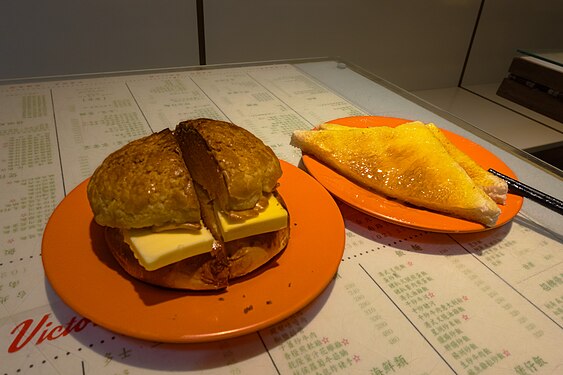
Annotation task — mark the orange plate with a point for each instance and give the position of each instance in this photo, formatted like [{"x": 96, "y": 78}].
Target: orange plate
[
  {"x": 396, "y": 212},
  {"x": 86, "y": 277}
]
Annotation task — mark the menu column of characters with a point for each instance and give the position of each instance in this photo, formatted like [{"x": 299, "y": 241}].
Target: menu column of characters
[
  {"x": 167, "y": 99},
  {"x": 94, "y": 118},
  {"x": 457, "y": 302},
  {"x": 31, "y": 186},
  {"x": 530, "y": 261},
  {"x": 314, "y": 102}
]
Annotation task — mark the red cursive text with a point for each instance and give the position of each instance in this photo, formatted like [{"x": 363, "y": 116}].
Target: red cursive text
[{"x": 27, "y": 331}]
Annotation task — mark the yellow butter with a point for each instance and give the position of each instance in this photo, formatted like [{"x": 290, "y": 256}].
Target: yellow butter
[
  {"x": 156, "y": 250},
  {"x": 274, "y": 218}
]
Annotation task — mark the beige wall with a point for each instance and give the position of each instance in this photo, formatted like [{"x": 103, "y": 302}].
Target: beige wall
[
  {"x": 415, "y": 44},
  {"x": 53, "y": 37}
]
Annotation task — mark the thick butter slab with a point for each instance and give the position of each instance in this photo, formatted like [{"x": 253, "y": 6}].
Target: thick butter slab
[
  {"x": 274, "y": 218},
  {"x": 156, "y": 250}
]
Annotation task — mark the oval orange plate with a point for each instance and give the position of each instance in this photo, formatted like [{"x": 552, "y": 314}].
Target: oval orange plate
[
  {"x": 401, "y": 214},
  {"x": 88, "y": 279}
]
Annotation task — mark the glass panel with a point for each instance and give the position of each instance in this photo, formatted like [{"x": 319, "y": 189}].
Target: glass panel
[{"x": 552, "y": 56}]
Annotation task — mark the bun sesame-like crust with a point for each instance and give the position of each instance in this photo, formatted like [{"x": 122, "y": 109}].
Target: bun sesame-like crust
[
  {"x": 143, "y": 184},
  {"x": 234, "y": 166}
]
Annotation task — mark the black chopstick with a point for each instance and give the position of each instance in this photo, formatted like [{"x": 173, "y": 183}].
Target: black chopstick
[{"x": 519, "y": 188}]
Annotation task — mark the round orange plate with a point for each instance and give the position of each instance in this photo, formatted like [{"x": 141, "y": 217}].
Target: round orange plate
[
  {"x": 87, "y": 278},
  {"x": 395, "y": 212}
]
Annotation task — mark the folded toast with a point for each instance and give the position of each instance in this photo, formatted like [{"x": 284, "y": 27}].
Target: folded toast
[
  {"x": 407, "y": 163},
  {"x": 495, "y": 187}
]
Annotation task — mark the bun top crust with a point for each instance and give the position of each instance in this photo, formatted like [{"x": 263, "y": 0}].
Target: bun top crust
[
  {"x": 145, "y": 183},
  {"x": 232, "y": 164}
]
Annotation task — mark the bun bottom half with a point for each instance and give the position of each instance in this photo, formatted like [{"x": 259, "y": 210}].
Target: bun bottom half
[{"x": 209, "y": 271}]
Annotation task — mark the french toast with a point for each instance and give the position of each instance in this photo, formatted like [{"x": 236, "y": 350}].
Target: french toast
[
  {"x": 495, "y": 187},
  {"x": 407, "y": 163}
]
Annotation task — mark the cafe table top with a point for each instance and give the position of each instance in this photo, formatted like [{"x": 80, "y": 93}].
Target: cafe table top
[{"x": 356, "y": 292}]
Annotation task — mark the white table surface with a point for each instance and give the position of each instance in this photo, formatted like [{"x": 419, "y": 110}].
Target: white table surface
[{"x": 403, "y": 301}]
